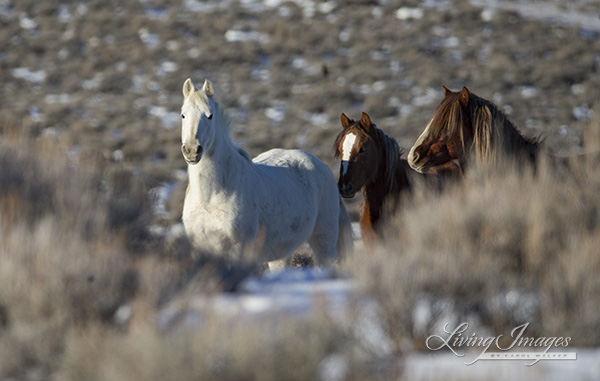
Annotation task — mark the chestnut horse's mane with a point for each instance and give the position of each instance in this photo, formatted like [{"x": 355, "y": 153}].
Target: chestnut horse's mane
[
  {"x": 494, "y": 134},
  {"x": 389, "y": 145}
]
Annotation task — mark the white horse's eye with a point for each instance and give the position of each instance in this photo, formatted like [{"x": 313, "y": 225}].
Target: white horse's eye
[{"x": 182, "y": 116}]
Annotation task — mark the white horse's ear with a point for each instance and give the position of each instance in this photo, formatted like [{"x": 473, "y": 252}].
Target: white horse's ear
[
  {"x": 208, "y": 88},
  {"x": 188, "y": 87}
]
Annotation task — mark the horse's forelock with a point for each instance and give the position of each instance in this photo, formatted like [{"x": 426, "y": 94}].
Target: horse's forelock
[{"x": 448, "y": 120}]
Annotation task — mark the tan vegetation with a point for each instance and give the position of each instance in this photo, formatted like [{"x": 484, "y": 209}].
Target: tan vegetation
[{"x": 89, "y": 110}]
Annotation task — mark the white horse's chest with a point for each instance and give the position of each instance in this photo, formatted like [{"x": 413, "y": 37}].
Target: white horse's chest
[{"x": 215, "y": 223}]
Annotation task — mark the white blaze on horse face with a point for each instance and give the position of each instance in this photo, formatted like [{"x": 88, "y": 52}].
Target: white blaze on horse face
[{"x": 347, "y": 145}]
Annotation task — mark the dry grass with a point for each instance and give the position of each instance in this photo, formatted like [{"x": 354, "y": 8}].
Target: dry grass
[
  {"x": 273, "y": 349},
  {"x": 83, "y": 280},
  {"x": 74, "y": 239},
  {"x": 498, "y": 250}
]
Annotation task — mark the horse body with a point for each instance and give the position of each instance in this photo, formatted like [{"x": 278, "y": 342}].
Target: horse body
[
  {"x": 465, "y": 126},
  {"x": 371, "y": 161},
  {"x": 266, "y": 207}
]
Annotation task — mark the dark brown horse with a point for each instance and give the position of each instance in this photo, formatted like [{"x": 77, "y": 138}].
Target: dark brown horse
[
  {"x": 463, "y": 127},
  {"x": 371, "y": 160}
]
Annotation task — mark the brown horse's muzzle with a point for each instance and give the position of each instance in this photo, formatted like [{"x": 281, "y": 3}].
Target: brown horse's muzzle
[
  {"x": 345, "y": 183},
  {"x": 423, "y": 158},
  {"x": 346, "y": 190}
]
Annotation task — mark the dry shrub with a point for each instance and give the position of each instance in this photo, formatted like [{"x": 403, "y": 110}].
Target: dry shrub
[
  {"x": 499, "y": 249},
  {"x": 82, "y": 284},
  {"x": 71, "y": 238},
  {"x": 60, "y": 267},
  {"x": 223, "y": 349}
]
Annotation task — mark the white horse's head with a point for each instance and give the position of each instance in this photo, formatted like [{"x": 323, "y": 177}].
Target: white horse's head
[{"x": 197, "y": 124}]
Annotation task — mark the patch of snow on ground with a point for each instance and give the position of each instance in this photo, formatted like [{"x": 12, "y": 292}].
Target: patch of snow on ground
[
  {"x": 199, "y": 6},
  {"x": 444, "y": 366},
  {"x": 309, "y": 7},
  {"x": 240, "y": 36},
  {"x": 424, "y": 97},
  {"x": 408, "y": 13},
  {"x": 356, "y": 231},
  {"x": 169, "y": 118},
  {"x": 547, "y": 12},
  {"x": 159, "y": 197},
  {"x": 29, "y": 75},
  {"x": 277, "y": 112},
  {"x": 152, "y": 40},
  {"x": 294, "y": 293}
]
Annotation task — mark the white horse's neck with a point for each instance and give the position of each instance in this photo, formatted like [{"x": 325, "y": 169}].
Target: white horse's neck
[{"x": 220, "y": 170}]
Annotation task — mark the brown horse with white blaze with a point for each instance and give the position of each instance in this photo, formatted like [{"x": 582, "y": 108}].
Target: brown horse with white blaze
[
  {"x": 371, "y": 160},
  {"x": 464, "y": 126}
]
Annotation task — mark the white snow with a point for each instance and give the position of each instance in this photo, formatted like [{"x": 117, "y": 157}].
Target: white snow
[
  {"x": 294, "y": 293},
  {"x": 446, "y": 366},
  {"x": 408, "y": 13},
  {"x": 233, "y": 35},
  {"x": 583, "y": 112},
  {"x": 152, "y": 40},
  {"x": 168, "y": 118},
  {"x": 309, "y": 8},
  {"x": 27, "y": 22},
  {"x": 425, "y": 97},
  {"x": 159, "y": 197},
  {"x": 547, "y": 12},
  {"x": 63, "y": 98},
  {"x": 29, "y": 75},
  {"x": 277, "y": 112},
  {"x": 196, "y": 6}
]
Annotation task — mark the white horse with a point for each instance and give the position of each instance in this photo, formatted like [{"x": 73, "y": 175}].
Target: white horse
[{"x": 264, "y": 208}]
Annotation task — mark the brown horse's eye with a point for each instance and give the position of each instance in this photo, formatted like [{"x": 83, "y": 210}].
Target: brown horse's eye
[{"x": 361, "y": 150}]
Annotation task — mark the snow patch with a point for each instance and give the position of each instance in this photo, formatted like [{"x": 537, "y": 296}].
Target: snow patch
[
  {"x": 409, "y": 13},
  {"x": 233, "y": 35},
  {"x": 32, "y": 76},
  {"x": 169, "y": 119}
]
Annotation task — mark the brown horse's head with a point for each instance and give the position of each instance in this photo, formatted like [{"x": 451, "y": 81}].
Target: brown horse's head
[
  {"x": 442, "y": 145},
  {"x": 359, "y": 153}
]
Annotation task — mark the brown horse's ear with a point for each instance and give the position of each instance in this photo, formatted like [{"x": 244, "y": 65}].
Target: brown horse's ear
[
  {"x": 446, "y": 91},
  {"x": 464, "y": 97},
  {"x": 346, "y": 122},
  {"x": 365, "y": 121}
]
